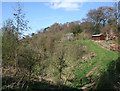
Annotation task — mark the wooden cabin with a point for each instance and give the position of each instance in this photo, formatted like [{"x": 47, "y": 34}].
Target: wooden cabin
[{"x": 98, "y": 37}]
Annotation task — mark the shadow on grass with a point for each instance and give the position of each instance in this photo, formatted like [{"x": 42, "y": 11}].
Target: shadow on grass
[
  {"x": 32, "y": 85},
  {"x": 111, "y": 78}
]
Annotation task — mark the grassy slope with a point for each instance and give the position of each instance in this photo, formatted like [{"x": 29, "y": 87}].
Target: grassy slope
[{"x": 102, "y": 59}]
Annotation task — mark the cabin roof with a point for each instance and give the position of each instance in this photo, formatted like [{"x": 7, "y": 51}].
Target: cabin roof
[{"x": 97, "y": 35}]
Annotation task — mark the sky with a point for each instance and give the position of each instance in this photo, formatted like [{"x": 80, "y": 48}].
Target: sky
[{"x": 44, "y": 14}]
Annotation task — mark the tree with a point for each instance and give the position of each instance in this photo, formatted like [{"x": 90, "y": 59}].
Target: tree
[
  {"x": 107, "y": 13},
  {"x": 116, "y": 13},
  {"x": 89, "y": 27},
  {"x": 74, "y": 27},
  {"x": 8, "y": 42},
  {"x": 95, "y": 16},
  {"x": 21, "y": 22},
  {"x": 119, "y": 16},
  {"x": 46, "y": 29},
  {"x": 104, "y": 16},
  {"x": 59, "y": 61},
  {"x": 55, "y": 27},
  {"x": 21, "y": 25},
  {"x": 32, "y": 34},
  {"x": 119, "y": 10}
]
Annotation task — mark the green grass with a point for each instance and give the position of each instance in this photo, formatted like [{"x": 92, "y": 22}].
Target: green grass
[{"x": 101, "y": 60}]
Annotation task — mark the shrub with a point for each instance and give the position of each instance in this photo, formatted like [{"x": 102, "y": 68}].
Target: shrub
[{"x": 84, "y": 36}]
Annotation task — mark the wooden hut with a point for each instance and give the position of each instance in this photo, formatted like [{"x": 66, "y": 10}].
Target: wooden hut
[{"x": 98, "y": 37}]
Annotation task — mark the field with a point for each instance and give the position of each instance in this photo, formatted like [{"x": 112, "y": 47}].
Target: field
[{"x": 95, "y": 66}]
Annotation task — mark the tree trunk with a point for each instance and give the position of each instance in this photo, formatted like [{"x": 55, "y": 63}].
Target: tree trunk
[
  {"x": 103, "y": 23},
  {"x": 106, "y": 36},
  {"x": 16, "y": 62}
]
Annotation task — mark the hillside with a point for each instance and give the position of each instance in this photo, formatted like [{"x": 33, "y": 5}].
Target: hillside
[
  {"x": 95, "y": 67},
  {"x": 76, "y": 52},
  {"x": 98, "y": 65},
  {"x": 76, "y": 72}
]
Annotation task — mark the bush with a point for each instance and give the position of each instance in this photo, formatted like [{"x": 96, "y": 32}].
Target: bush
[
  {"x": 84, "y": 36},
  {"x": 115, "y": 42}
]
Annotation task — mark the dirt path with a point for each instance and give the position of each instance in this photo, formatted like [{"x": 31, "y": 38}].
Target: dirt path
[{"x": 103, "y": 45}]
